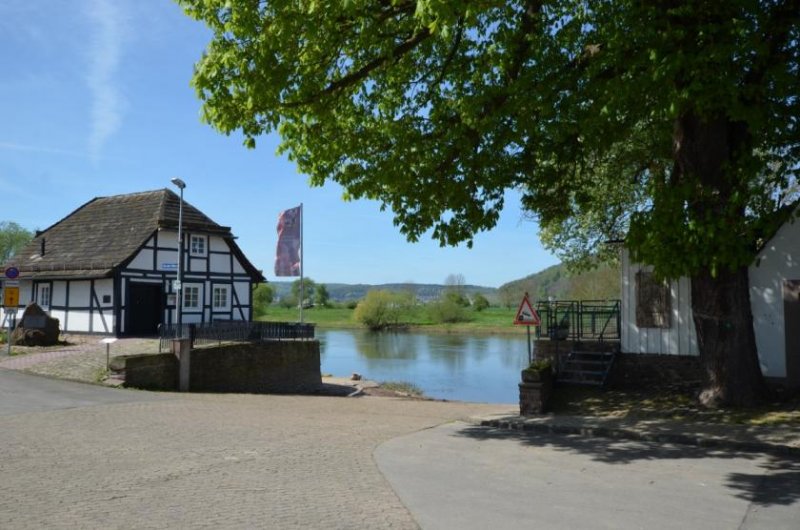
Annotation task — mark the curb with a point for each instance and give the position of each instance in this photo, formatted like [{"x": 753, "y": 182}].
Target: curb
[{"x": 628, "y": 434}]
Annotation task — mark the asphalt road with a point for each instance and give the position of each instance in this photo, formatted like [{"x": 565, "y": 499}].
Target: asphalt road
[
  {"x": 467, "y": 477},
  {"x": 23, "y": 393}
]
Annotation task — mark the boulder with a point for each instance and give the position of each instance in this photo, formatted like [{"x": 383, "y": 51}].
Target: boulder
[{"x": 36, "y": 328}]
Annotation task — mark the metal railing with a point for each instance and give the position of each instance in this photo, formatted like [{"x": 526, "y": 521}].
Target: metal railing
[
  {"x": 579, "y": 320},
  {"x": 221, "y": 331}
]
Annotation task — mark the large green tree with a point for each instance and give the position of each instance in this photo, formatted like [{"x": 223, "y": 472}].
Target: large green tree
[
  {"x": 12, "y": 238},
  {"x": 671, "y": 124}
]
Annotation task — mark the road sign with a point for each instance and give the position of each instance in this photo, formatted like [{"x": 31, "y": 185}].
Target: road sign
[
  {"x": 12, "y": 273},
  {"x": 11, "y": 297},
  {"x": 169, "y": 266},
  {"x": 526, "y": 314}
]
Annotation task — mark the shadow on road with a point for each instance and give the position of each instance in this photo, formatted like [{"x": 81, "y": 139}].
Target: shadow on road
[{"x": 779, "y": 484}]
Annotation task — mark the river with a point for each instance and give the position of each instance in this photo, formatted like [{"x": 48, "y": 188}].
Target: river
[{"x": 479, "y": 368}]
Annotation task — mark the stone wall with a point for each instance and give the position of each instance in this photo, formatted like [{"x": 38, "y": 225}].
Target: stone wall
[
  {"x": 632, "y": 370},
  {"x": 534, "y": 398},
  {"x": 285, "y": 367},
  {"x": 281, "y": 367},
  {"x": 151, "y": 372}
]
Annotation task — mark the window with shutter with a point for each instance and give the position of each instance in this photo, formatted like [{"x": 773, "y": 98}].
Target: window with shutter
[{"x": 653, "y": 301}]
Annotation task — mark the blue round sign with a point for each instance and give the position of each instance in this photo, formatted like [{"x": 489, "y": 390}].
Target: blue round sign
[{"x": 12, "y": 273}]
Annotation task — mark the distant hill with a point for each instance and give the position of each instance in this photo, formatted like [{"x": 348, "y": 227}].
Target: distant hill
[
  {"x": 343, "y": 292},
  {"x": 598, "y": 284}
]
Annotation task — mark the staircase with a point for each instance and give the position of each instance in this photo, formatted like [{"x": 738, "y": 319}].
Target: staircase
[{"x": 586, "y": 367}]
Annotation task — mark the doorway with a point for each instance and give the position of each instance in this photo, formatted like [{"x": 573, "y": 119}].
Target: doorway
[{"x": 144, "y": 308}]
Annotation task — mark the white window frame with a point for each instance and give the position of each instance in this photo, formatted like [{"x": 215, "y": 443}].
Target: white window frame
[
  {"x": 44, "y": 294},
  {"x": 226, "y": 302},
  {"x": 198, "y": 297},
  {"x": 193, "y": 250}
]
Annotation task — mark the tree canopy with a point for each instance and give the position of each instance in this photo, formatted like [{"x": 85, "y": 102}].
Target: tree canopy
[
  {"x": 12, "y": 238},
  {"x": 671, "y": 124},
  {"x": 435, "y": 107}
]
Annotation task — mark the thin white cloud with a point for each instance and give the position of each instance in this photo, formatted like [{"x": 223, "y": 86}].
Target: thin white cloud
[
  {"x": 105, "y": 51},
  {"x": 12, "y": 146}
]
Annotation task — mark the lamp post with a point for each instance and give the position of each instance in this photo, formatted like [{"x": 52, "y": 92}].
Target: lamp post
[{"x": 179, "y": 281}]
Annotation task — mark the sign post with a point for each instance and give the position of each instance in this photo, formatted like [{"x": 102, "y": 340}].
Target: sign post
[
  {"x": 10, "y": 301},
  {"x": 527, "y": 316}
]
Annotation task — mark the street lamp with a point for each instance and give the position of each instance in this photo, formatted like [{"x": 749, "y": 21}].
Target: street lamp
[{"x": 178, "y": 283}]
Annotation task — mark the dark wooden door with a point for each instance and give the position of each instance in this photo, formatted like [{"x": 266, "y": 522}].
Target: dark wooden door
[
  {"x": 791, "y": 326},
  {"x": 144, "y": 309}
]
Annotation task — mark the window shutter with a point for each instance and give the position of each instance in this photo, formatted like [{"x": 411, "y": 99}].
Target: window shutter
[{"x": 653, "y": 302}]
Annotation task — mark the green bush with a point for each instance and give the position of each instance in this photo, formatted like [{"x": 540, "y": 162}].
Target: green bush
[
  {"x": 381, "y": 309},
  {"x": 480, "y": 302},
  {"x": 262, "y": 298},
  {"x": 447, "y": 311}
]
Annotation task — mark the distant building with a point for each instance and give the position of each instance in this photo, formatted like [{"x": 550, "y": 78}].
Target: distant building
[{"x": 109, "y": 267}]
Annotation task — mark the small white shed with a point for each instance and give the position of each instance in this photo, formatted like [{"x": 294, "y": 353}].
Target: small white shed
[{"x": 656, "y": 317}]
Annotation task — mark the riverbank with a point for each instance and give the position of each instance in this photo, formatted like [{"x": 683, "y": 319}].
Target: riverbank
[{"x": 491, "y": 321}]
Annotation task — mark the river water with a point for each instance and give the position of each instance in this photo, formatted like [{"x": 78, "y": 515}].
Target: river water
[{"x": 445, "y": 366}]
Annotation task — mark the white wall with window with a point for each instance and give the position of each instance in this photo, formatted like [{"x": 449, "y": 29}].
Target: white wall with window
[
  {"x": 193, "y": 297},
  {"x": 221, "y": 298},
  {"x": 43, "y": 291},
  {"x": 198, "y": 245}
]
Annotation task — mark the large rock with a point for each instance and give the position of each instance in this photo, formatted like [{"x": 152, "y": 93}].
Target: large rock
[{"x": 36, "y": 328}]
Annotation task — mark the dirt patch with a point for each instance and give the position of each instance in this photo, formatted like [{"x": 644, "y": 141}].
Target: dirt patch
[{"x": 676, "y": 403}]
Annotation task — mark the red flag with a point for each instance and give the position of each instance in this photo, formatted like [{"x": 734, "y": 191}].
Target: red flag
[{"x": 287, "y": 255}]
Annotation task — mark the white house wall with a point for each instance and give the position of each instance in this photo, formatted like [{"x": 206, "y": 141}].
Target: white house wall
[
  {"x": 156, "y": 262},
  {"x": 779, "y": 260},
  {"x": 144, "y": 258},
  {"x": 678, "y": 339},
  {"x": 74, "y": 305}
]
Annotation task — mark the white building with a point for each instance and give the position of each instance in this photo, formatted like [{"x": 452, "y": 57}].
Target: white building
[
  {"x": 657, "y": 317},
  {"x": 109, "y": 267}
]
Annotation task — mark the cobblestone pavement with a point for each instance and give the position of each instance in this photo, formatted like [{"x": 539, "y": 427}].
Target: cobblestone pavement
[
  {"x": 82, "y": 359},
  {"x": 210, "y": 461}
]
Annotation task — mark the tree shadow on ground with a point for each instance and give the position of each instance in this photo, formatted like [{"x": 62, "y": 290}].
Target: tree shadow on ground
[
  {"x": 779, "y": 483},
  {"x": 675, "y": 401}
]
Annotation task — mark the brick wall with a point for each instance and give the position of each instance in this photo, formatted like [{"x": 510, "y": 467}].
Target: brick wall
[
  {"x": 633, "y": 370},
  {"x": 152, "y": 372},
  {"x": 273, "y": 367},
  {"x": 281, "y": 367}
]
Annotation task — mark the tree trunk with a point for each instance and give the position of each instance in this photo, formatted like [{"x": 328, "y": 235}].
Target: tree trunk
[
  {"x": 705, "y": 149},
  {"x": 726, "y": 340}
]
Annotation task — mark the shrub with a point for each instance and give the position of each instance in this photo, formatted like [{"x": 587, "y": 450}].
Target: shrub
[
  {"x": 480, "y": 302},
  {"x": 262, "y": 297},
  {"x": 380, "y": 309},
  {"x": 446, "y": 311}
]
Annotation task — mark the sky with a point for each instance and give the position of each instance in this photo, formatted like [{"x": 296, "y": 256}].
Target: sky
[{"x": 95, "y": 101}]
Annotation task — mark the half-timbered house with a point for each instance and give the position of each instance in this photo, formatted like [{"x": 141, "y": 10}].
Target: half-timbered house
[{"x": 109, "y": 267}]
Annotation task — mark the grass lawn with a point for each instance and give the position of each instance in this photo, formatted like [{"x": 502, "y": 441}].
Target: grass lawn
[{"x": 491, "y": 320}]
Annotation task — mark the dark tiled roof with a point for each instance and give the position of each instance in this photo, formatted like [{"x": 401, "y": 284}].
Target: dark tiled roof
[{"x": 106, "y": 231}]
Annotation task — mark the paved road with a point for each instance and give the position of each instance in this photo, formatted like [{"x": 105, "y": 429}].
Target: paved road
[
  {"x": 80, "y": 456},
  {"x": 21, "y": 393},
  {"x": 98, "y": 460},
  {"x": 466, "y": 477}
]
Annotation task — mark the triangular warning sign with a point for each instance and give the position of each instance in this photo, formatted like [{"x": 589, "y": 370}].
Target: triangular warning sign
[{"x": 526, "y": 314}]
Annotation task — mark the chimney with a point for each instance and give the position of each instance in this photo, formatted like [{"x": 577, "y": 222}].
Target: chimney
[{"x": 41, "y": 252}]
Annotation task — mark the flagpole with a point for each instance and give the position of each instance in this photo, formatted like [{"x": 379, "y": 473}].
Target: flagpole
[{"x": 302, "y": 283}]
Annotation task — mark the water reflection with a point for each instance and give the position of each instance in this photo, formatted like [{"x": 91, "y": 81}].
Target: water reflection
[{"x": 458, "y": 367}]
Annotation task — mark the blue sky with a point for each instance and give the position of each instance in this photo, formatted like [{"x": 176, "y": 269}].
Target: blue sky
[{"x": 95, "y": 101}]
